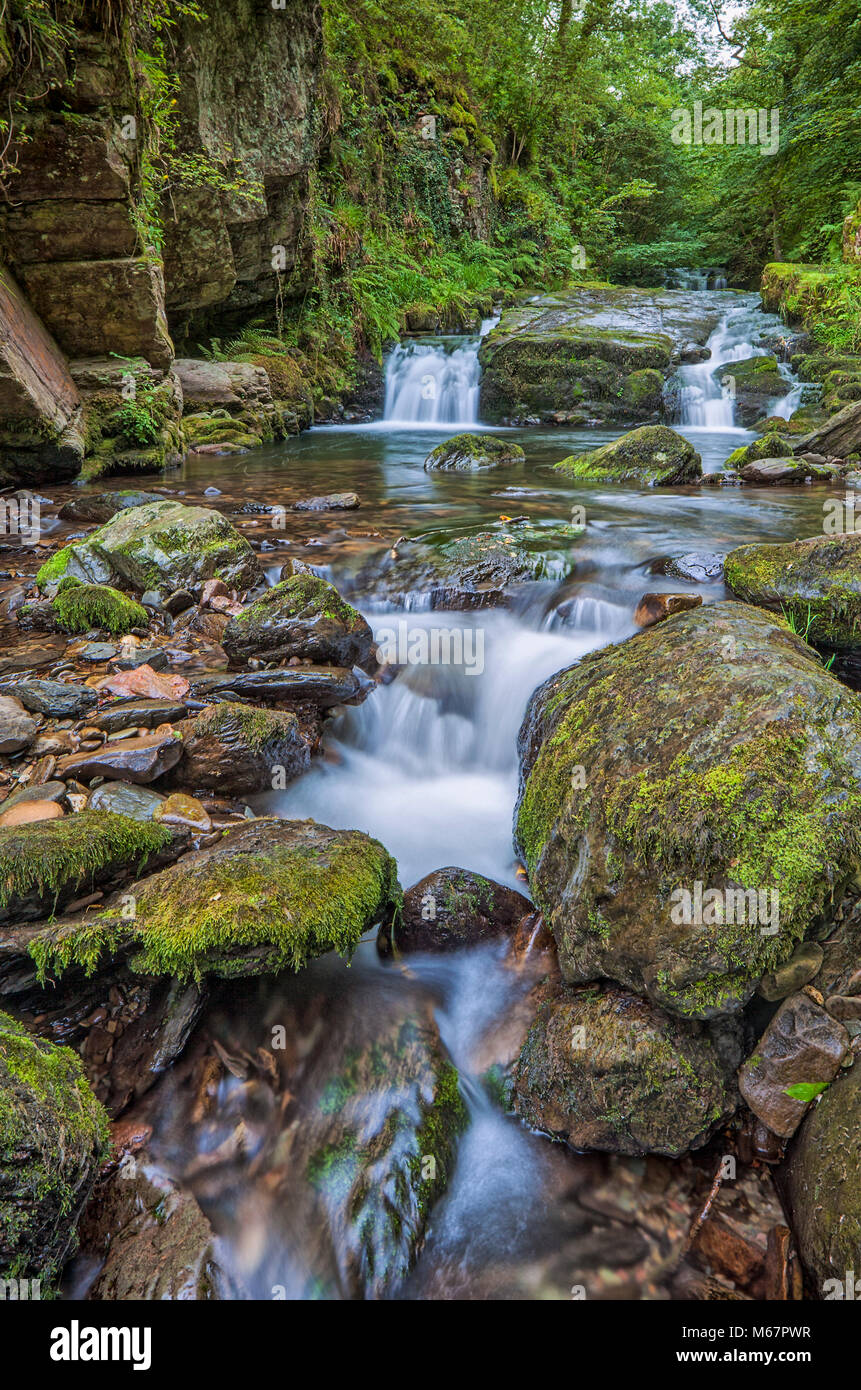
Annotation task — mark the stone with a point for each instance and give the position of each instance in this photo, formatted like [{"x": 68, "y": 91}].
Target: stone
[
  {"x": 145, "y": 682},
  {"x": 98, "y": 307},
  {"x": 844, "y": 1007},
  {"x": 17, "y": 728},
  {"x": 139, "y": 714},
  {"x": 240, "y": 748},
  {"x": 799, "y": 970},
  {"x": 653, "y": 608},
  {"x": 29, "y": 811},
  {"x": 606, "y": 1070},
  {"x": 301, "y": 617},
  {"x": 839, "y": 437},
  {"x": 161, "y": 546},
  {"x": 53, "y": 1137},
  {"x": 465, "y": 453},
  {"x": 126, "y": 799},
  {"x": 680, "y": 788},
  {"x": 181, "y": 809},
  {"x": 321, "y": 686},
  {"x": 99, "y": 507},
  {"x": 756, "y": 382},
  {"x": 331, "y": 502},
  {"x": 57, "y": 699},
  {"x": 138, "y": 760},
  {"x": 802, "y": 1044},
  {"x": 697, "y": 567},
  {"x": 653, "y": 454},
  {"x": 815, "y": 582},
  {"x": 769, "y": 472},
  {"x": 45, "y": 791},
  {"x": 451, "y": 909}
]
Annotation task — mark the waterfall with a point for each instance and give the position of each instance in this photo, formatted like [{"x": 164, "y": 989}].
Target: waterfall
[
  {"x": 705, "y": 396},
  {"x": 434, "y": 381}
]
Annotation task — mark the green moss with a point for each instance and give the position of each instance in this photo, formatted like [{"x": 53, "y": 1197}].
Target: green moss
[
  {"x": 80, "y": 607},
  {"x": 816, "y": 584},
  {"x": 770, "y": 446},
  {"x": 305, "y": 596},
  {"x": 257, "y": 728},
  {"x": 54, "y": 568},
  {"x": 652, "y": 454},
  {"x": 52, "y": 857}
]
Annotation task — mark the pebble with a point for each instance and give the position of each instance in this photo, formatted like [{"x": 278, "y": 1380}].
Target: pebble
[
  {"x": 124, "y": 799},
  {"x": 29, "y": 811},
  {"x": 18, "y": 729}
]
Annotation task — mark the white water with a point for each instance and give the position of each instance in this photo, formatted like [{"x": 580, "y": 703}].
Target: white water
[
  {"x": 706, "y": 393},
  {"x": 434, "y": 383}
]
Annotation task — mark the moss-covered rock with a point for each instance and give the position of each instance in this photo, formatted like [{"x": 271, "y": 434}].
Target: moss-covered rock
[
  {"x": 815, "y": 583},
  {"x": 46, "y": 864},
  {"x": 466, "y": 452},
  {"x": 756, "y": 382},
  {"x": 269, "y": 896},
  {"x": 163, "y": 546},
  {"x": 53, "y": 1136},
  {"x": 240, "y": 748},
  {"x": 653, "y": 454},
  {"x": 302, "y": 617},
  {"x": 605, "y": 1070},
  {"x": 770, "y": 445},
  {"x": 80, "y": 607},
  {"x": 451, "y": 909},
  {"x": 690, "y": 806},
  {"x": 643, "y": 391}
]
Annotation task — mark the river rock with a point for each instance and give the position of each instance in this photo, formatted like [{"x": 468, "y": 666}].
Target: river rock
[
  {"x": 139, "y": 714},
  {"x": 450, "y": 909},
  {"x": 53, "y": 1136},
  {"x": 269, "y": 896},
  {"x": 240, "y": 748},
  {"x": 678, "y": 788},
  {"x": 99, "y": 507},
  {"x": 141, "y": 759},
  {"x": 17, "y": 728},
  {"x": 145, "y": 682},
  {"x": 697, "y": 567},
  {"x": 162, "y": 546},
  {"x": 301, "y": 617},
  {"x": 321, "y": 686},
  {"x": 57, "y": 699},
  {"x": 606, "y": 1070},
  {"x": 653, "y": 608},
  {"x": 821, "y": 1186},
  {"x": 331, "y": 502},
  {"x": 815, "y": 582},
  {"x": 30, "y": 811},
  {"x": 654, "y": 455},
  {"x": 44, "y": 791},
  {"x": 181, "y": 809},
  {"x": 756, "y": 381},
  {"x": 464, "y": 453},
  {"x": 773, "y": 472},
  {"x": 770, "y": 446},
  {"x": 838, "y": 437},
  {"x": 125, "y": 799},
  {"x": 799, "y": 970},
  {"x": 801, "y": 1044}
]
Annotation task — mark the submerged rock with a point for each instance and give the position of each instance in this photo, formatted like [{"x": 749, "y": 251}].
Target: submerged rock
[
  {"x": 241, "y": 749},
  {"x": 690, "y": 806},
  {"x": 162, "y": 546},
  {"x": 331, "y": 502},
  {"x": 653, "y": 454},
  {"x": 606, "y": 1070},
  {"x": 815, "y": 583},
  {"x": 303, "y": 617},
  {"x": 53, "y": 1136},
  {"x": 464, "y": 453},
  {"x": 450, "y": 909}
]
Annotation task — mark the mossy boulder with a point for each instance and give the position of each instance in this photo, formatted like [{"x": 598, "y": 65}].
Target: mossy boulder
[
  {"x": 239, "y": 748},
  {"x": 479, "y": 569},
  {"x": 162, "y": 546},
  {"x": 814, "y": 583},
  {"x": 270, "y": 896},
  {"x": 839, "y": 436},
  {"x": 467, "y": 452},
  {"x": 81, "y": 607},
  {"x": 451, "y": 909},
  {"x": 643, "y": 391},
  {"x": 50, "y": 862},
  {"x": 303, "y": 617},
  {"x": 771, "y": 445},
  {"x": 690, "y": 806},
  {"x": 605, "y": 1070},
  {"x": 756, "y": 382},
  {"x": 53, "y": 1137},
  {"x": 821, "y": 1186},
  {"x": 653, "y": 454}
]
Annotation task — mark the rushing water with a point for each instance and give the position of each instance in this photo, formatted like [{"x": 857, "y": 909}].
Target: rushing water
[
  {"x": 428, "y": 765},
  {"x": 706, "y": 397}
]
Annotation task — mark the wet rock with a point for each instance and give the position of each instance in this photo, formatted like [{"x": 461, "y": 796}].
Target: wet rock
[
  {"x": 125, "y": 799},
  {"x": 801, "y": 1045},
  {"x": 821, "y": 1186},
  {"x": 53, "y": 1136},
  {"x": 141, "y": 759},
  {"x": 97, "y": 652},
  {"x": 756, "y": 381},
  {"x": 839, "y": 437},
  {"x": 815, "y": 582},
  {"x": 240, "y": 749},
  {"x": 149, "y": 1239},
  {"x": 44, "y": 791},
  {"x": 654, "y": 775},
  {"x": 99, "y": 507},
  {"x": 156, "y": 658},
  {"x": 162, "y": 546},
  {"x": 464, "y": 453},
  {"x": 698, "y": 567},
  {"x": 145, "y": 682},
  {"x": 331, "y": 502},
  {"x": 844, "y": 1007},
  {"x": 27, "y": 812},
  {"x": 653, "y": 608},
  {"x": 269, "y": 896},
  {"x": 450, "y": 909},
  {"x": 766, "y": 472},
  {"x": 799, "y": 970},
  {"x": 17, "y": 728},
  {"x": 322, "y": 686},
  {"x": 770, "y": 445},
  {"x": 653, "y": 454},
  {"x": 302, "y": 617},
  {"x": 606, "y": 1070},
  {"x": 178, "y": 601},
  {"x": 57, "y": 699},
  {"x": 202, "y": 623},
  {"x": 139, "y": 714},
  {"x": 181, "y": 809}
]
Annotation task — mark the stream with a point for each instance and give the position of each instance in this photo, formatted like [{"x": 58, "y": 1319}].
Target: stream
[{"x": 428, "y": 766}]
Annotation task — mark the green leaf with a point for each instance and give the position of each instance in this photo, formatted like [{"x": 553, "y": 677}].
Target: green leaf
[{"x": 806, "y": 1090}]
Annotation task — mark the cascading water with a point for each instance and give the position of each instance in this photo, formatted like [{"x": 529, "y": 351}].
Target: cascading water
[
  {"x": 705, "y": 395},
  {"x": 434, "y": 381}
]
